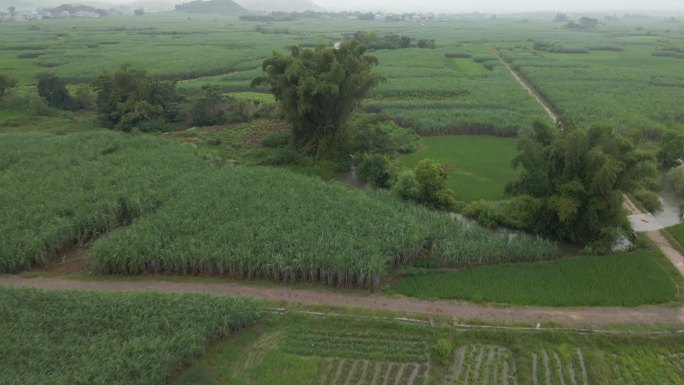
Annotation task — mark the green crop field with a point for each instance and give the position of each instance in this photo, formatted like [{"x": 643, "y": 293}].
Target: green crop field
[
  {"x": 167, "y": 210},
  {"x": 628, "y": 279},
  {"x": 478, "y": 166},
  {"x": 70, "y": 337},
  {"x": 62, "y": 190},
  {"x": 301, "y": 349}
]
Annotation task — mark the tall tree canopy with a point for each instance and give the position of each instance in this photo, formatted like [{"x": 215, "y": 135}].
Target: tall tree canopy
[
  {"x": 128, "y": 98},
  {"x": 53, "y": 90},
  {"x": 572, "y": 182},
  {"x": 317, "y": 90},
  {"x": 6, "y": 83}
]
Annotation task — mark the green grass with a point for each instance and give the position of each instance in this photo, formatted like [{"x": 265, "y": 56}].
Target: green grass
[
  {"x": 629, "y": 279},
  {"x": 467, "y": 66},
  {"x": 77, "y": 337},
  {"x": 286, "y": 369},
  {"x": 335, "y": 349},
  {"x": 479, "y": 166},
  {"x": 677, "y": 233}
]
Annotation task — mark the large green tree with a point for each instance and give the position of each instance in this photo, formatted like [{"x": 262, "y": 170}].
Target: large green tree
[
  {"x": 572, "y": 183},
  {"x": 53, "y": 90},
  {"x": 128, "y": 98},
  {"x": 6, "y": 83},
  {"x": 317, "y": 90}
]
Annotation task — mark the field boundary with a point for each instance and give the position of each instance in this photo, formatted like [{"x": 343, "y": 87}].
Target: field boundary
[
  {"x": 585, "y": 316},
  {"x": 548, "y": 107}
]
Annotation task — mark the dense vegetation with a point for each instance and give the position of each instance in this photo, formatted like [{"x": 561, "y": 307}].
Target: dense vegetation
[
  {"x": 635, "y": 279},
  {"x": 478, "y": 166},
  {"x": 62, "y": 190},
  {"x": 317, "y": 90},
  {"x": 67, "y": 338},
  {"x": 572, "y": 184},
  {"x": 292, "y": 228},
  {"x": 128, "y": 99},
  {"x": 187, "y": 217}
]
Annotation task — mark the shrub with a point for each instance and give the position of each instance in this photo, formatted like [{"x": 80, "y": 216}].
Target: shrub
[
  {"x": 5, "y": 84},
  {"x": 676, "y": 177},
  {"x": 407, "y": 186},
  {"x": 37, "y": 104},
  {"x": 276, "y": 139},
  {"x": 485, "y": 213},
  {"x": 53, "y": 90},
  {"x": 432, "y": 178},
  {"x": 282, "y": 156},
  {"x": 375, "y": 169},
  {"x": 444, "y": 199},
  {"x": 649, "y": 200},
  {"x": 443, "y": 349}
]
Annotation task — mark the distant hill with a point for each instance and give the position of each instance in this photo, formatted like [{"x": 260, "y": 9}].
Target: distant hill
[
  {"x": 211, "y": 6},
  {"x": 280, "y": 5}
]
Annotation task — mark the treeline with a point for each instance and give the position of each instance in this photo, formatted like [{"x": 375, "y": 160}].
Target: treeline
[
  {"x": 556, "y": 48},
  {"x": 390, "y": 41},
  {"x": 210, "y": 6},
  {"x": 73, "y": 8},
  {"x": 674, "y": 52}
]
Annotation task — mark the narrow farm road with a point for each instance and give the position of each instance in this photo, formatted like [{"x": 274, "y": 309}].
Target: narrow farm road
[
  {"x": 657, "y": 237},
  {"x": 526, "y": 85},
  {"x": 463, "y": 310}
]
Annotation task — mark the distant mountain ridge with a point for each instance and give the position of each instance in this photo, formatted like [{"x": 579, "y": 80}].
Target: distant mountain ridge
[
  {"x": 211, "y": 6},
  {"x": 280, "y": 5}
]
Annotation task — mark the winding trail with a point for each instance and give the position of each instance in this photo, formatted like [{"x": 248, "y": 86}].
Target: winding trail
[{"x": 584, "y": 316}]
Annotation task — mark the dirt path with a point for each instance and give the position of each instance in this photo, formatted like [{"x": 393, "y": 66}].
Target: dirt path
[
  {"x": 659, "y": 239},
  {"x": 526, "y": 85},
  {"x": 462, "y": 310}
]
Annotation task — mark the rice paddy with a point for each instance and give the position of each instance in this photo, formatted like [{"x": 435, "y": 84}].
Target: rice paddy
[
  {"x": 635, "y": 278},
  {"x": 478, "y": 166}
]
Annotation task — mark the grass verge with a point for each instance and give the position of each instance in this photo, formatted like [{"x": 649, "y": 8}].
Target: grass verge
[{"x": 628, "y": 279}]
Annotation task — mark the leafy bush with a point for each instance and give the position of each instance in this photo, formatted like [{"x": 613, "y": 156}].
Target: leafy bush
[
  {"x": 128, "y": 97},
  {"x": 432, "y": 178},
  {"x": 377, "y": 133},
  {"x": 53, "y": 90},
  {"x": 649, "y": 200},
  {"x": 407, "y": 186},
  {"x": 276, "y": 139},
  {"x": 443, "y": 349},
  {"x": 37, "y": 104},
  {"x": 282, "y": 156},
  {"x": 6, "y": 83},
  {"x": 375, "y": 169},
  {"x": 485, "y": 213},
  {"x": 676, "y": 177}
]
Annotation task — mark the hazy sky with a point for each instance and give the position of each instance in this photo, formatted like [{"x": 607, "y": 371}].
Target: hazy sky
[{"x": 457, "y": 6}]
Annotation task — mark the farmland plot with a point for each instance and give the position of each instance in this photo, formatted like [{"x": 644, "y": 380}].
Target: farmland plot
[
  {"x": 555, "y": 367},
  {"x": 482, "y": 365}
]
